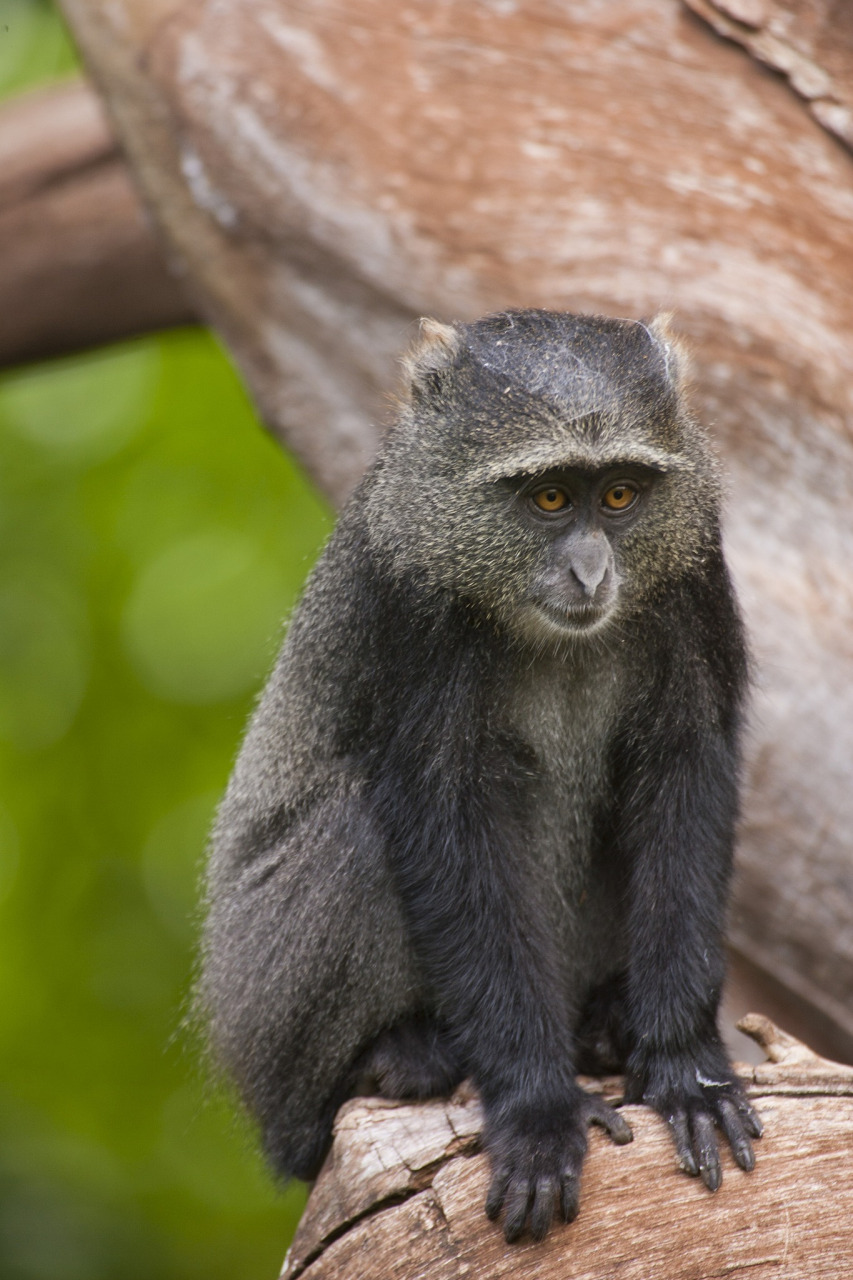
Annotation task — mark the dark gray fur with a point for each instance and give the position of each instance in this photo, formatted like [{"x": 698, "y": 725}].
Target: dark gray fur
[{"x": 482, "y": 820}]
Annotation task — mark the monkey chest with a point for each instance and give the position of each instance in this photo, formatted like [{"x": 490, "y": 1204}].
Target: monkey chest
[{"x": 567, "y": 718}]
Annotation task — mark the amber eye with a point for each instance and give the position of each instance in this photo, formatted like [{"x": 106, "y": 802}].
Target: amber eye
[
  {"x": 551, "y": 499},
  {"x": 619, "y": 497}
]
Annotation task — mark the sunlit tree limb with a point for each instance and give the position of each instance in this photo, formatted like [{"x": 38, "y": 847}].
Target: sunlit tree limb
[{"x": 402, "y": 1193}]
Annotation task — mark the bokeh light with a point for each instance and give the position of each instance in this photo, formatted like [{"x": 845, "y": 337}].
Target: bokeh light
[
  {"x": 86, "y": 407},
  {"x": 203, "y": 617},
  {"x": 152, "y": 540}
]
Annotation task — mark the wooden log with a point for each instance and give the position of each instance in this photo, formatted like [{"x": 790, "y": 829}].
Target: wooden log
[
  {"x": 325, "y": 172},
  {"x": 80, "y": 265},
  {"x": 401, "y": 1194}
]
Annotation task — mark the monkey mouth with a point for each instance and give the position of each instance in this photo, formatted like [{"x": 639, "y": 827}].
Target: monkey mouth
[
  {"x": 582, "y": 615},
  {"x": 573, "y": 618}
]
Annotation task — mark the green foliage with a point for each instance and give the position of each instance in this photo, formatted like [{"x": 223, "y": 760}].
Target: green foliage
[
  {"x": 152, "y": 538},
  {"x": 34, "y": 44}
]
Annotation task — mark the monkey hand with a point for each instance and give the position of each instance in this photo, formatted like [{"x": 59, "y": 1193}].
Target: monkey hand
[
  {"x": 696, "y": 1096},
  {"x": 536, "y": 1150}
]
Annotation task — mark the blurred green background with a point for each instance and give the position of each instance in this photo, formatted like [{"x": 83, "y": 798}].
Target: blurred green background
[{"x": 152, "y": 537}]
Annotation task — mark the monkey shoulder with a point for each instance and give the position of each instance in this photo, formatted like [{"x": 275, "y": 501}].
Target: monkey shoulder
[{"x": 293, "y": 757}]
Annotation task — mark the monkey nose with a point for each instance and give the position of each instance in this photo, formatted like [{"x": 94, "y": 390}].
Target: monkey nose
[
  {"x": 590, "y": 567},
  {"x": 589, "y": 585}
]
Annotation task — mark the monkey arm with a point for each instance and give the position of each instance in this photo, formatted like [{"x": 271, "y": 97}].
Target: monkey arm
[
  {"x": 677, "y": 832},
  {"x": 473, "y": 921},
  {"x": 452, "y": 798}
]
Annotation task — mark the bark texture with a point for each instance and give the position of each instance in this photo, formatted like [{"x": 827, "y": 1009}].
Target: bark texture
[
  {"x": 323, "y": 173},
  {"x": 79, "y": 263},
  {"x": 808, "y": 41},
  {"x": 401, "y": 1194}
]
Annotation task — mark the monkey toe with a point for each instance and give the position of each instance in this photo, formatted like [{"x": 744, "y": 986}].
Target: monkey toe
[
  {"x": 602, "y": 1041},
  {"x": 412, "y": 1060}
]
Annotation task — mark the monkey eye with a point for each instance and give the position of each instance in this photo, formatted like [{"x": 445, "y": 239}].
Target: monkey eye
[
  {"x": 550, "y": 499},
  {"x": 619, "y": 497}
]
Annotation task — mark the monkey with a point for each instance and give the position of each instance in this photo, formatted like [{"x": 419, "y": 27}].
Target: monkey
[{"x": 482, "y": 822}]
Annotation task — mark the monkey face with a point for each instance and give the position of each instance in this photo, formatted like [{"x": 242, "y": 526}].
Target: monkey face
[
  {"x": 544, "y": 470},
  {"x": 581, "y": 517}
]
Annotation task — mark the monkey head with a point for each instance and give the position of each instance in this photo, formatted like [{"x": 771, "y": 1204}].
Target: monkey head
[{"x": 544, "y": 467}]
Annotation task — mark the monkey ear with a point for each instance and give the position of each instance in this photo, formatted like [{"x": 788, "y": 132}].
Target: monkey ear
[
  {"x": 674, "y": 351},
  {"x": 436, "y": 350}
]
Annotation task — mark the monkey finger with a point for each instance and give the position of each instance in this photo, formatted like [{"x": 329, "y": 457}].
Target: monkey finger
[
  {"x": 542, "y": 1213},
  {"x": 519, "y": 1197},
  {"x": 617, "y": 1127},
  {"x": 497, "y": 1193},
  {"x": 732, "y": 1122},
  {"x": 704, "y": 1141},
  {"x": 683, "y": 1142},
  {"x": 570, "y": 1190},
  {"x": 751, "y": 1119}
]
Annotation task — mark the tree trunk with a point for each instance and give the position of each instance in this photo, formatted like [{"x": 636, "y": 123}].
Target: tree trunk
[
  {"x": 401, "y": 1194},
  {"x": 808, "y": 41},
  {"x": 323, "y": 173}
]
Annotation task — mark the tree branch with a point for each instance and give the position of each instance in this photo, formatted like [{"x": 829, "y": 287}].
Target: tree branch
[
  {"x": 80, "y": 264},
  {"x": 402, "y": 1192}
]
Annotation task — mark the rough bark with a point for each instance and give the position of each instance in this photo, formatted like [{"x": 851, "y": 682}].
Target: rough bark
[
  {"x": 808, "y": 41},
  {"x": 79, "y": 264},
  {"x": 401, "y": 1194},
  {"x": 325, "y": 172}
]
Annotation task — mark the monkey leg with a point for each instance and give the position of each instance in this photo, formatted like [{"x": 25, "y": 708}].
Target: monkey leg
[
  {"x": 603, "y": 1030},
  {"x": 413, "y": 1059},
  {"x": 307, "y": 962}
]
